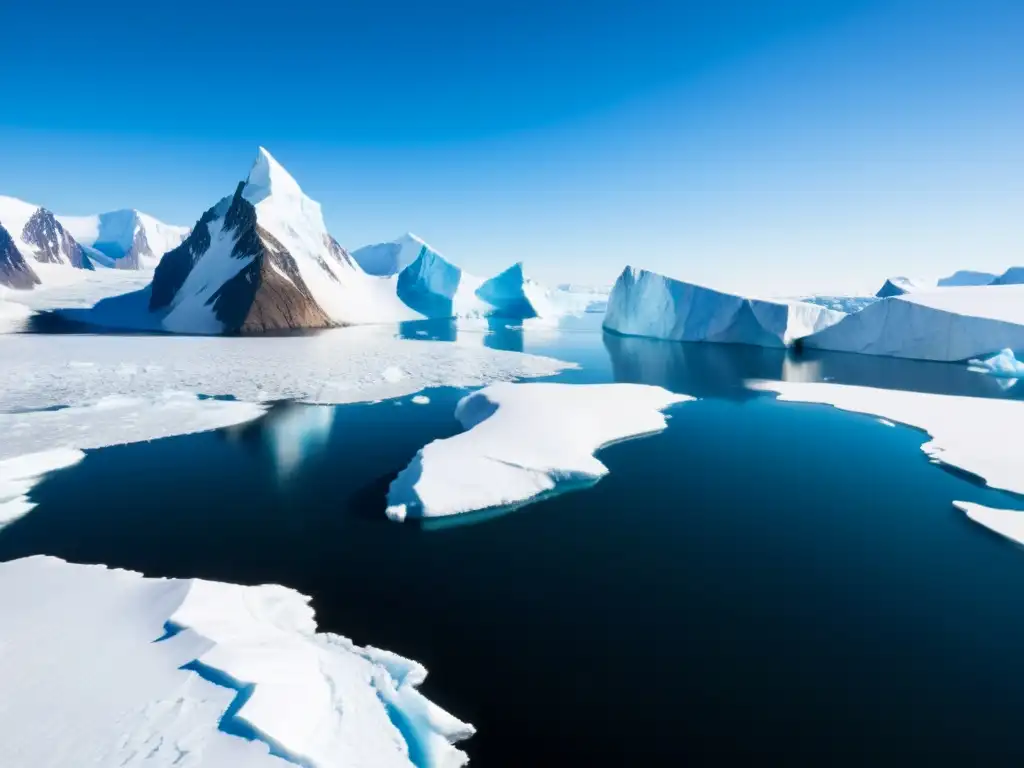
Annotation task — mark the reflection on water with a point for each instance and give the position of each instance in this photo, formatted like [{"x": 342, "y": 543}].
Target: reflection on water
[
  {"x": 289, "y": 434},
  {"x": 721, "y": 369}
]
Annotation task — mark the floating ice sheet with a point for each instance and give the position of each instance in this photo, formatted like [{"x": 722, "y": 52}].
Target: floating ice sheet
[{"x": 522, "y": 441}]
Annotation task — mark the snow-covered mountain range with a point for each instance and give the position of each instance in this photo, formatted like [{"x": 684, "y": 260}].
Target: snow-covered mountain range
[
  {"x": 33, "y": 236},
  {"x": 37, "y": 246},
  {"x": 130, "y": 239},
  {"x": 262, "y": 260}
]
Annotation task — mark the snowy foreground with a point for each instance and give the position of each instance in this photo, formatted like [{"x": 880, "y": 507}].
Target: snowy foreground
[
  {"x": 968, "y": 433},
  {"x": 104, "y": 668},
  {"x": 522, "y": 441},
  {"x": 647, "y": 304}
]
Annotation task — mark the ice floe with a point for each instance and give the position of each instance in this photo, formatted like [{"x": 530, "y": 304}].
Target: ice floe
[
  {"x": 104, "y": 667},
  {"x": 969, "y": 433},
  {"x": 1005, "y": 522},
  {"x": 521, "y": 441},
  {"x": 647, "y": 304},
  {"x": 1005, "y": 365}
]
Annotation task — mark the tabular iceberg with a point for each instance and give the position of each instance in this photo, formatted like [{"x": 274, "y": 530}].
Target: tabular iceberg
[
  {"x": 945, "y": 324},
  {"x": 107, "y": 668},
  {"x": 522, "y": 441},
  {"x": 644, "y": 303}
]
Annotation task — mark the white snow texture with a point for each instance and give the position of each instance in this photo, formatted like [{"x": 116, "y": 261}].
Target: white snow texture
[
  {"x": 522, "y": 441},
  {"x": 105, "y": 668}
]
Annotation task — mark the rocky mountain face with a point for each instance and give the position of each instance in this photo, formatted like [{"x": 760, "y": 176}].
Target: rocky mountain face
[
  {"x": 15, "y": 271},
  {"x": 51, "y": 242}
]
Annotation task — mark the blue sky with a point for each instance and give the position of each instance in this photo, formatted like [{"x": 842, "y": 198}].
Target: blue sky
[{"x": 774, "y": 147}]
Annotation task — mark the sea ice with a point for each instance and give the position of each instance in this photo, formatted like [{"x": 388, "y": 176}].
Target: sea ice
[
  {"x": 344, "y": 365},
  {"x": 647, "y": 304},
  {"x": 107, "y": 668},
  {"x": 521, "y": 441},
  {"x": 966, "y": 432},
  {"x": 19, "y": 474},
  {"x": 946, "y": 324},
  {"x": 1005, "y": 522}
]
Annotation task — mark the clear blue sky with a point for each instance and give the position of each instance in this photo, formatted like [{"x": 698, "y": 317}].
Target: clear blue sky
[{"x": 760, "y": 145}]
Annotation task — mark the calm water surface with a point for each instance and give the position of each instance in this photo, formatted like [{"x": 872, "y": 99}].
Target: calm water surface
[{"x": 774, "y": 581}]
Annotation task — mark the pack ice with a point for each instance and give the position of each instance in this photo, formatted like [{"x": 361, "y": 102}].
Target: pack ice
[
  {"x": 109, "y": 669},
  {"x": 644, "y": 303},
  {"x": 945, "y": 324},
  {"x": 522, "y": 441}
]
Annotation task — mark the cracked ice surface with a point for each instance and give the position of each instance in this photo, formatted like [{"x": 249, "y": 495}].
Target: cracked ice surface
[
  {"x": 100, "y": 668},
  {"x": 345, "y": 365}
]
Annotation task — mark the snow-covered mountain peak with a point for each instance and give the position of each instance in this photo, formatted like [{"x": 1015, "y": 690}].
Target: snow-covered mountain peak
[{"x": 268, "y": 177}]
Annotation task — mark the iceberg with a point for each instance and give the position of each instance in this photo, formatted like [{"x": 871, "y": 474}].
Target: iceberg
[
  {"x": 523, "y": 441},
  {"x": 898, "y": 286},
  {"x": 647, "y": 304},
  {"x": 945, "y": 324},
  {"x": 105, "y": 667},
  {"x": 963, "y": 277},
  {"x": 1005, "y": 365},
  {"x": 968, "y": 433},
  {"x": 1012, "y": 276},
  {"x": 386, "y": 259}
]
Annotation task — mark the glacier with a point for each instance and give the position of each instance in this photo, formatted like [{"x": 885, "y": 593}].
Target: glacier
[
  {"x": 523, "y": 441},
  {"x": 647, "y": 304},
  {"x": 945, "y": 324},
  {"x": 108, "y": 668}
]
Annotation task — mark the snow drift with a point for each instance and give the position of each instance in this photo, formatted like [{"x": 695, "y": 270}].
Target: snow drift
[
  {"x": 946, "y": 324},
  {"x": 647, "y": 304},
  {"x": 108, "y": 668}
]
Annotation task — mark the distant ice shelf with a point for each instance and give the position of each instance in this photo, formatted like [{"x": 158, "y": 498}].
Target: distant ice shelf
[
  {"x": 107, "y": 668},
  {"x": 523, "y": 441}
]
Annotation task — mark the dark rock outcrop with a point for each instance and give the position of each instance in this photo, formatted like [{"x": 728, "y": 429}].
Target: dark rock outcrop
[
  {"x": 15, "y": 271},
  {"x": 175, "y": 266},
  {"x": 268, "y": 294},
  {"x": 52, "y": 243}
]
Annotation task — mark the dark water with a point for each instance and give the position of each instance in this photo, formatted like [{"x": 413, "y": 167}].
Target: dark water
[{"x": 780, "y": 582}]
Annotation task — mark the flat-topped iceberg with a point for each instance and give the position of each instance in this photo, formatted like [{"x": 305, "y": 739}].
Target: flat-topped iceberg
[
  {"x": 105, "y": 668},
  {"x": 523, "y": 441},
  {"x": 647, "y": 304},
  {"x": 947, "y": 324}
]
